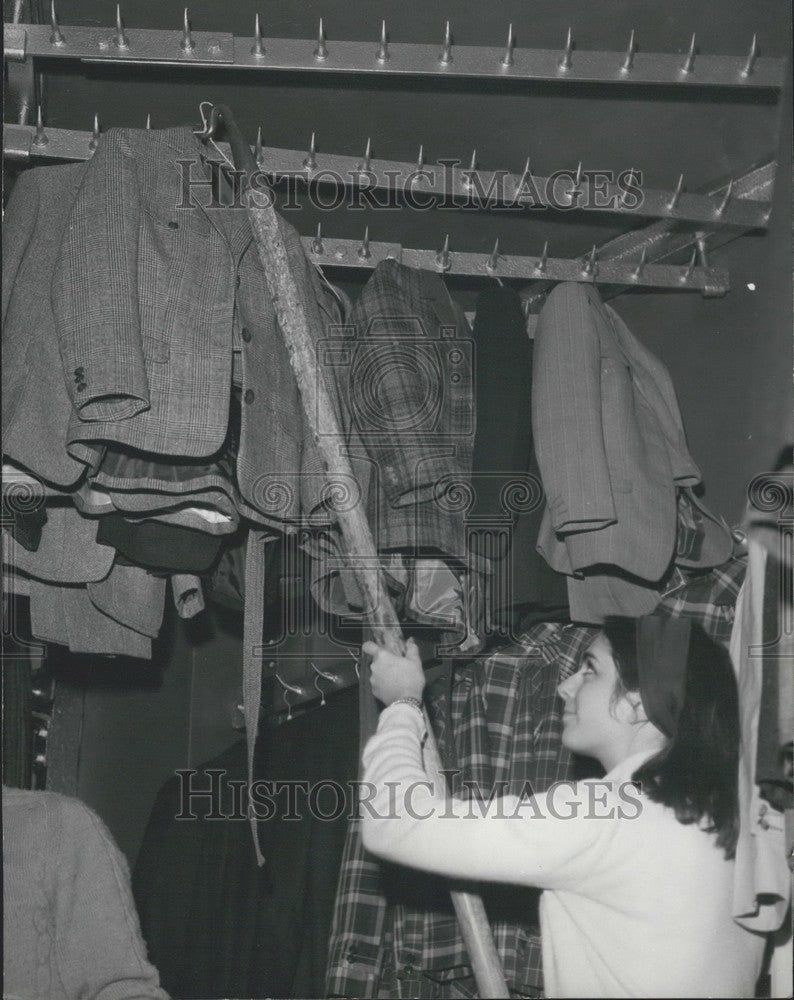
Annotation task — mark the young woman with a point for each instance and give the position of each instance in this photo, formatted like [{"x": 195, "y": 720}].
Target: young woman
[{"x": 637, "y": 866}]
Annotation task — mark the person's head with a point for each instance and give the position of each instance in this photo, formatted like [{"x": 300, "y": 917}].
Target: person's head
[
  {"x": 603, "y": 717},
  {"x": 694, "y": 769}
]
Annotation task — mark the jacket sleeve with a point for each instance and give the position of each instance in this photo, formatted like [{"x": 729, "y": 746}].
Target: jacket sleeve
[
  {"x": 19, "y": 223},
  {"x": 567, "y": 421},
  {"x": 95, "y": 289},
  {"x": 100, "y": 951}
]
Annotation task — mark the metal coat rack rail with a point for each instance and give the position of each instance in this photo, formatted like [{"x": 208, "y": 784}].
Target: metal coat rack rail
[
  {"x": 426, "y": 183},
  {"x": 24, "y": 141},
  {"x": 508, "y": 61}
]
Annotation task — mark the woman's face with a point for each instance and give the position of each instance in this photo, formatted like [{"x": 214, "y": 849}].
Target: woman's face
[{"x": 595, "y": 724}]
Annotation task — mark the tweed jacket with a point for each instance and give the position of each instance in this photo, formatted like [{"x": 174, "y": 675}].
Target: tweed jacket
[
  {"x": 36, "y": 405},
  {"x": 611, "y": 450},
  {"x": 156, "y": 277}
]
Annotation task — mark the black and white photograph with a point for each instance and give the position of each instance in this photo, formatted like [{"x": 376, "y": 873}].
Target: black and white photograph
[{"x": 398, "y": 500}]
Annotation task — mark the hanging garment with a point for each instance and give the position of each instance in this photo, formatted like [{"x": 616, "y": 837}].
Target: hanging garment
[
  {"x": 215, "y": 924},
  {"x": 612, "y": 454},
  {"x": 36, "y": 405},
  {"x": 762, "y": 886},
  {"x": 391, "y": 922},
  {"x": 150, "y": 333},
  {"x": 504, "y": 521},
  {"x": 402, "y": 366}
]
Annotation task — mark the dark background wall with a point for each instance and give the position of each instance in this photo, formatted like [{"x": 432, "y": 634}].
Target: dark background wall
[{"x": 730, "y": 357}]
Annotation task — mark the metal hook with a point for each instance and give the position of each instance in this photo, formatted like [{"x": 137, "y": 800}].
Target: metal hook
[
  {"x": 687, "y": 275},
  {"x": 383, "y": 48},
  {"x": 443, "y": 259},
  {"x": 333, "y": 678},
  {"x": 567, "y": 57},
  {"x": 296, "y": 689},
  {"x": 258, "y": 146},
  {"x": 468, "y": 175},
  {"x": 210, "y": 129},
  {"x": 94, "y": 141},
  {"x": 364, "y": 251},
  {"x": 748, "y": 67},
  {"x": 628, "y": 63},
  {"x": 258, "y": 48},
  {"x": 701, "y": 248},
  {"x": 507, "y": 58},
  {"x": 317, "y": 242},
  {"x": 544, "y": 258},
  {"x": 311, "y": 158},
  {"x": 689, "y": 65},
  {"x": 56, "y": 38},
  {"x": 354, "y": 657},
  {"x": 589, "y": 268},
  {"x": 187, "y": 44},
  {"x": 637, "y": 272},
  {"x": 321, "y": 52},
  {"x": 148, "y": 122},
  {"x": 671, "y": 204},
  {"x": 40, "y": 137},
  {"x": 120, "y": 40},
  {"x": 720, "y": 210},
  {"x": 366, "y": 165},
  {"x": 493, "y": 261},
  {"x": 446, "y": 53}
]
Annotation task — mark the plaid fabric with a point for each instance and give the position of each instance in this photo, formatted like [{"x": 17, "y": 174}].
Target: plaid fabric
[
  {"x": 505, "y": 728},
  {"x": 505, "y": 733},
  {"x": 708, "y": 598}
]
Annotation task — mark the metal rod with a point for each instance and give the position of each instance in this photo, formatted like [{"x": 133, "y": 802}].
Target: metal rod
[{"x": 311, "y": 157}]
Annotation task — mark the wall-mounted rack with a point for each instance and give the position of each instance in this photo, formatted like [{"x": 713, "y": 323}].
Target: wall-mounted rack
[
  {"x": 567, "y": 64},
  {"x": 24, "y": 141},
  {"x": 448, "y": 181}
]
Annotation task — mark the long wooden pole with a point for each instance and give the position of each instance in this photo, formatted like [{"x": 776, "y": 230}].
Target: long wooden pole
[{"x": 359, "y": 544}]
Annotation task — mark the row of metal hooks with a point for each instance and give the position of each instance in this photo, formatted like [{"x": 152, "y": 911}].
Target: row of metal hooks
[
  {"x": 627, "y": 65},
  {"x": 566, "y": 189},
  {"x": 382, "y": 55}
]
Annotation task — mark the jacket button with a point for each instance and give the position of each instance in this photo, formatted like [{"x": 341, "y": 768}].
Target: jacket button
[
  {"x": 81, "y": 386},
  {"x": 248, "y": 396},
  {"x": 173, "y": 225},
  {"x": 245, "y": 333}
]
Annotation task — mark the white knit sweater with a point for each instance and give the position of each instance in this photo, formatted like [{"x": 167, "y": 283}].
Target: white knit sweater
[{"x": 636, "y": 903}]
